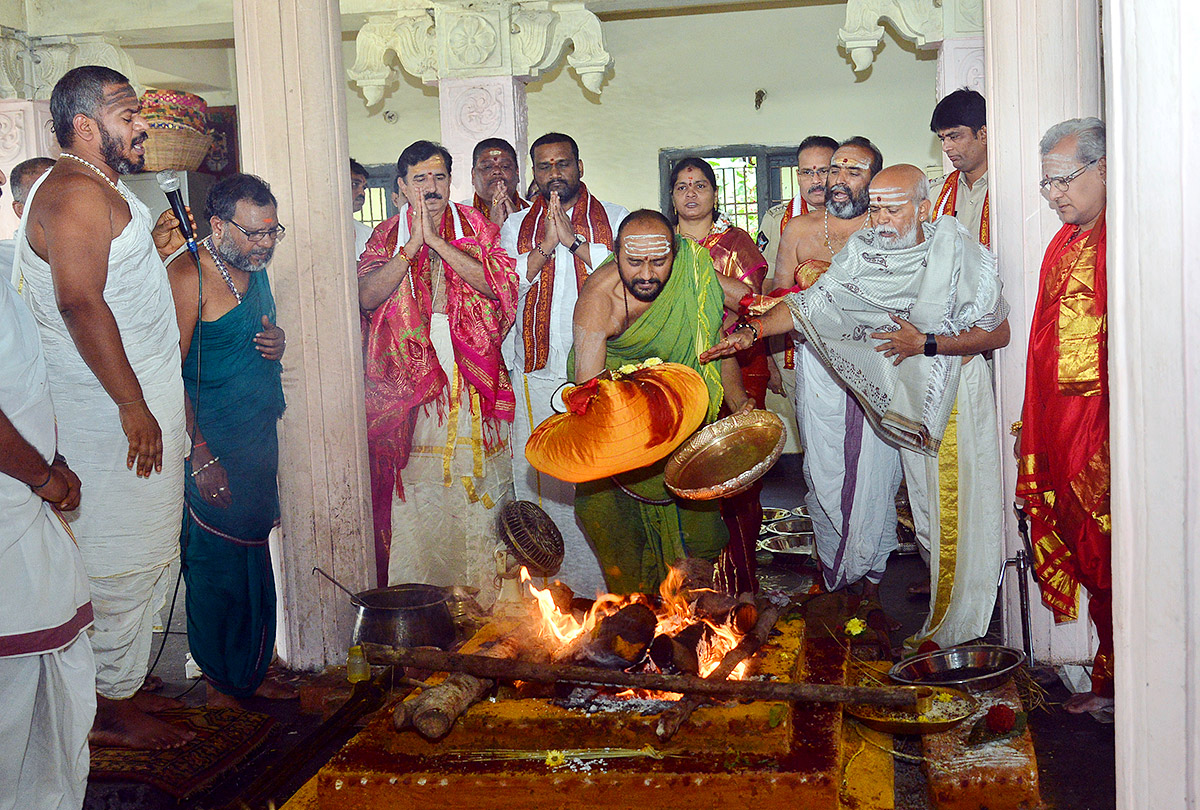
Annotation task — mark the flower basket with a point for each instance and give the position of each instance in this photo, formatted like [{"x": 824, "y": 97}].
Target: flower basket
[{"x": 175, "y": 147}]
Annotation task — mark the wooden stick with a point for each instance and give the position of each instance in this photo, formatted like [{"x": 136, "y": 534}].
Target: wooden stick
[
  {"x": 673, "y": 718},
  {"x": 434, "y": 711},
  {"x": 510, "y": 670}
]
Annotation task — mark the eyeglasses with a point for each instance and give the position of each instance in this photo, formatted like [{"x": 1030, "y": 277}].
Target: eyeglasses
[
  {"x": 813, "y": 174},
  {"x": 1063, "y": 184},
  {"x": 275, "y": 233}
]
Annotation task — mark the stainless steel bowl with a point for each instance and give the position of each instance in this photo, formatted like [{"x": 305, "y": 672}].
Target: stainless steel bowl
[
  {"x": 792, "y": 526},
  {"x": 770, "y": 514},
  {"x": 977, "y": 667},
  {"x": 797, "y": 544}
]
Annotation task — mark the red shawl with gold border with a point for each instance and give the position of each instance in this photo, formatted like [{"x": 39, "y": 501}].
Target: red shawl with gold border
[
  {"x": 401, "y": 367},
  {"x": 590, "y": 220},
  {"x": 1064, "y": 467}
]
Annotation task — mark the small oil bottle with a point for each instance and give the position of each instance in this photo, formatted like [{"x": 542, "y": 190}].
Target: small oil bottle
[{"x": 357, "y": 668}]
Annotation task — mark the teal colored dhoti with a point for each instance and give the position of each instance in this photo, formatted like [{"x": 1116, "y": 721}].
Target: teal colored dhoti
[{"x": 225, "y": 559}]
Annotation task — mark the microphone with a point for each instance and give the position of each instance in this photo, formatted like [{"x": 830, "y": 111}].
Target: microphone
[{"x": 168, "y": 181}]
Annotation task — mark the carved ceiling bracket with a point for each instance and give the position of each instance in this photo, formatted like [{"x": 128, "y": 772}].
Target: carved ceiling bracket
[
  {"x": 31, "y": 66},
  {"x": 919, "y": 21},
  {"x": 457, "y": 39}
]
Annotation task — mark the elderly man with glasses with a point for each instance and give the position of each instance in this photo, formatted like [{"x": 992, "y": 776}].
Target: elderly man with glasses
[
  {"x": 231, "y": 372},
  {"x": 1063, "y": 473}
]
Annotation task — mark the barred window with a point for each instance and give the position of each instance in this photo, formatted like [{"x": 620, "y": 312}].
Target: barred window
[
  {"x": 750, "y": 179},
  {"x": 380, "y": 184}
]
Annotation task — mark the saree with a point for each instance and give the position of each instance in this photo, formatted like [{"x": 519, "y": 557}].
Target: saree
[
  {"x": 635, "y": 526},
  {"x": 237, "y": 398}
]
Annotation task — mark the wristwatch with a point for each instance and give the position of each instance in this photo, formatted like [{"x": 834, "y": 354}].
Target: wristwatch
[
  {"x": 930, "y": 344},
  {"x": 578, "y": 243}
]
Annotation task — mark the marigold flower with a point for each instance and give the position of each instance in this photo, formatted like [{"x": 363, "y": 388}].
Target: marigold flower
[{"x": 855, "y": 627}]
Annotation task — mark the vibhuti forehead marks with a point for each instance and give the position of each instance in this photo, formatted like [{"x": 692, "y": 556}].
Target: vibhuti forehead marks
[
  {"x": 848, "y": 162},
  {"x": 645, "y": 245},
  {"x": 888, "y": 196},
  {"x": 118, "y": 93},
  {"x": 1056, "y": 165}
]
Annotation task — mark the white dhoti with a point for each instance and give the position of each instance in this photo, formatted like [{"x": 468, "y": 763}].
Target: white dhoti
[
  {"x": 957, "y": 502},
  {"x": 126, "y": 609},
  {"x": 47, "y": 674},
  {"x": 852, "y": 477},
  {"x": 49, "y": 703},
  {"x": 125, "y": 525},
  {"x": 444, "y": 531}
]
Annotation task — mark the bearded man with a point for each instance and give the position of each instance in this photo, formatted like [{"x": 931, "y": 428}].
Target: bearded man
[
  {"x": 231, "y": 370},
  {"x": 932, "y": 294},
  {"x": 438, "y": 293},
  {"x": 661, "y": 298},
  {"x": 93, "y": 275},
  {"x": 494, "y": 178},
  {"x": 558, "y": 241},
  {"x": 960, "y": 123},
  {"x": 851, "y": 473},
  {"x": 1064, "y": 474}
]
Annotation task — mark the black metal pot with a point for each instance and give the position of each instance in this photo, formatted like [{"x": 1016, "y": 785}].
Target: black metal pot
[{"x": 403, "y": 616}]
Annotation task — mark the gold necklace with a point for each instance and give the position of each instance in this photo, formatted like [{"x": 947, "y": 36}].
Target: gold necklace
[
  {"x": 828, "y": 246},
  {"x": 101, "y": 174}
]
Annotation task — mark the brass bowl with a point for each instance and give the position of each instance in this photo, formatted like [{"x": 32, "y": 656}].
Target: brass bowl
[
  {"x": 726, "y": 457},
  {"x": 929, "y": 715}
]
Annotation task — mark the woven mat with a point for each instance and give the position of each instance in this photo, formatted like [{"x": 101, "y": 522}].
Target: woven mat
[{"x": 224, "y": 737}]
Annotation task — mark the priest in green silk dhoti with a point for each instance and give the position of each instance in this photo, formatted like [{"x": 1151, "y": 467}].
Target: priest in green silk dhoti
[
  {"x": 663, "y": 299},
  {"x": 231, "y": 372}
]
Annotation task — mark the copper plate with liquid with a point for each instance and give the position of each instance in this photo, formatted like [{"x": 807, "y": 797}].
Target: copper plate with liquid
[{"x": 726, "y": 457}]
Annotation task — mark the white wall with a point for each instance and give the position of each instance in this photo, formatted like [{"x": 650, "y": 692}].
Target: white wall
[{"x": 690, "y": 80}]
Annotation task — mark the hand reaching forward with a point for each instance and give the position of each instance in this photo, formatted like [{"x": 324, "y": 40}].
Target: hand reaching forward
[{"x": 736, "y": 341}]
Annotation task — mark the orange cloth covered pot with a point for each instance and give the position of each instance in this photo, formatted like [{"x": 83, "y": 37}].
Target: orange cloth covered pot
[{"x": 619, "y": 422}]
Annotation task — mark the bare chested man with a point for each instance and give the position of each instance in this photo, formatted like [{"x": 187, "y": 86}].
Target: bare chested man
[
  {"x": 852, "y": 475},
  {"x": 661, "y": 298},
  {"x": 92, "y": 263}
]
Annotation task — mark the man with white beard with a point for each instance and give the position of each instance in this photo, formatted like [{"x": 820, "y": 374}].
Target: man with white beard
[{"x": 891, "y": 317}]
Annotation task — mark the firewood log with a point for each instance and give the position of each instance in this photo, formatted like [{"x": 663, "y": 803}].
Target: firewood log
[{"x": 433, "y": 712}]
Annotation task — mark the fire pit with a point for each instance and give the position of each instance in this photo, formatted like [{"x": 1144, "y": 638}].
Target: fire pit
[{"x": 531, "y": 749}]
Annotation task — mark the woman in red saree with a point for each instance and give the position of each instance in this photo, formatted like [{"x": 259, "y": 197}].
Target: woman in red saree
[{"x": 734, "y": 254}]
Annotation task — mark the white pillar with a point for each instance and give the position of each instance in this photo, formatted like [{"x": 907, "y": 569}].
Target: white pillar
[
  {"x": 24, "y": 134},
  {"x": 1154, "y": 335},
  {"x": 1043, "y": 66},
  {"x": 476, "y": 108},
  {"x": 292, "y": 121}
]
